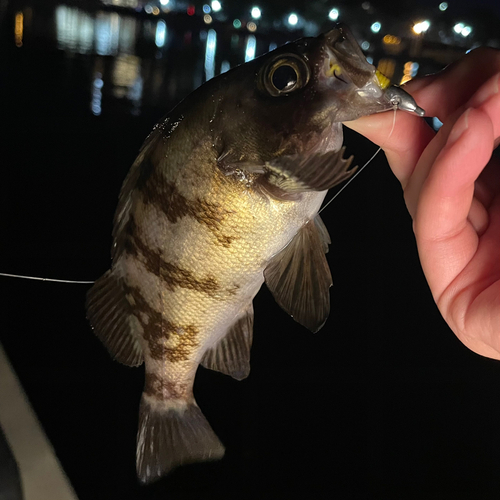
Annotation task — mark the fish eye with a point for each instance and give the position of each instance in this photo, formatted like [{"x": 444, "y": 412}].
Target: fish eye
[
  {"x": 285, "y": 75},
  {"x": 284, "y": 78}
]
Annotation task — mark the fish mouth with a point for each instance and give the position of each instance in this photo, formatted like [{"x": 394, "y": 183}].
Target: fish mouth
[
  {"x": 344, "y": 63},
  {"x": 346, "y": 69}
]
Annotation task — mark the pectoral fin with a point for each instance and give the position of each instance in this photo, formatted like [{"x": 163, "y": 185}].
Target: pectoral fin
[
  {"x": 299, "y": 277},
  {"x": 317, "y": 172},
  {"x": 231, "y": 355},
  {"x": 111, "y": 317}
]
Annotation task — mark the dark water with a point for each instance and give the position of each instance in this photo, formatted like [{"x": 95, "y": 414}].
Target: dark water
[{"x": 383, "y": 402}]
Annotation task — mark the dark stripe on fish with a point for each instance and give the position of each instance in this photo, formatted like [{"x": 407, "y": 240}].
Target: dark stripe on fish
[
  {"x": 158, "y": 191},
  {"x": 172, "y": 275},
  {"x": 158, "y": 330},
  {"x": 159, "y": 388}
]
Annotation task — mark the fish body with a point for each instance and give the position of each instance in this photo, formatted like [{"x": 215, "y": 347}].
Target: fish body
[{"x": 223, "y": 196}]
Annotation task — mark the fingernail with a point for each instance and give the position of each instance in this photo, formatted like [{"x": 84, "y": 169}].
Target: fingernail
[
  {"x": 486, "y": 91},
  {"x": 459, "y": 128}
]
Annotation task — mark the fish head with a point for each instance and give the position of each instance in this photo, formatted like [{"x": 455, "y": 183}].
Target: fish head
[{"x": 293, "y": 99}]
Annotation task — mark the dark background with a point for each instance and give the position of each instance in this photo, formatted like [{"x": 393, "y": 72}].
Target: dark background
[{"x": 383, "y": 403}]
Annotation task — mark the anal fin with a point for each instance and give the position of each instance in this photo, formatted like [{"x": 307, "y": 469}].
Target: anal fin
[
  {"x": 172, "y": 433},
  {"x": 231, "y": 355},
  {"x": 299, "y": 277},
  {"x": 111, "y": 318}
]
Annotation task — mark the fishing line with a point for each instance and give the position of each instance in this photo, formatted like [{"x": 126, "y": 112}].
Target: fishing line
[
  {"x": 366, "y": 164},
  {"x": 45, "y": 279},
  {"x": 78, "y": 282}
]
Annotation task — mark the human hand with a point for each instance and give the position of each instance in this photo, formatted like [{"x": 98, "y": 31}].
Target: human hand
[{"x": 451, "y": 187}]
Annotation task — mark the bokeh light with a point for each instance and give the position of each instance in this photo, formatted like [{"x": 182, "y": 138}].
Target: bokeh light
[
  {"x": 333, "y": 14},
  {"x": 293, "y": 19},
  {"x": 255, "y": 12}
]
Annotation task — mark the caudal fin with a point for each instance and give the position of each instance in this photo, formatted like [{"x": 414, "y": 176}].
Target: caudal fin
[{"x": 171, "y": 435}]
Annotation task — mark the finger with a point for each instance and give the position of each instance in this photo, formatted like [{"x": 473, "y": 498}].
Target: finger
[
  {"x": 445, "y": 238},
  {"x": 443, "y": 93},
  {"x": 487, "y": 99},
  {"x": 404, "y": 146}
]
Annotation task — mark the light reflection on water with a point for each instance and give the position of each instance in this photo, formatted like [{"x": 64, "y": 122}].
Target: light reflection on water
[
  {"x": 149, "y": 60},
  {"x": 211, "y": 46}
]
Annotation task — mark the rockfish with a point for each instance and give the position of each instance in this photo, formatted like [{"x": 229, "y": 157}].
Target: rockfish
[{"x": 223, "y": 196}]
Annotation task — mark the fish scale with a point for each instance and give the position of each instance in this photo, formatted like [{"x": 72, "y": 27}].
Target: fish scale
[{"x": 223, "y": 196}]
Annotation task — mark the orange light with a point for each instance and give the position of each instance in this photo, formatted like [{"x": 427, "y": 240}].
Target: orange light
[
  {"x": 19, "y": 29},
  {"x": 391, "y": 40}
]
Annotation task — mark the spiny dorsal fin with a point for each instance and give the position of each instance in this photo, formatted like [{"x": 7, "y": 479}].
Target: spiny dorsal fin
[
  {"x": 316, "y": 172},
  {"x": 172, "y": 433},
  {"x": 299, "y": 277},
  {"x": 109, "y": 314},
  {"x": 231, "y": 355}
]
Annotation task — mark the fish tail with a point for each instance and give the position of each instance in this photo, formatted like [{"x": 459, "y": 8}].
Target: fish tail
[{"x": 172, "y": 432}]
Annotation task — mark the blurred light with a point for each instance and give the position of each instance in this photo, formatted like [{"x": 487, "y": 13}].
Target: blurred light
[
  {"x": 207, "y": 18},
  {"x": 370, "y": 59},
  {"x": 421, "y": 27},
  {"x": 410, "y": 70},
  {"x": 107, "y": 33},
  {"x": 126, "y": 70},
  {"x": 391, "y": 40},
  {"x": 293, "y": 19},
  {"x": 443, "y": 6},
  {"x": 210, "y": 54},
  {"x": 458, "y": 27},
  {"x": 375, "y": 27},
  {"x": 365, "y": 45},
  {"x": 333, "y": 14},
  {"x": 207, "y": 9},
  {"x": 191, "y": 10},
  {"x": 272, "y": 46},
  {"x": 156, "y": 10},
  {"x": 237, "y": 24},
  {"x": 148, "y": 9},
  {"x": 161, "y": 32},
  {"x": 366, "y": 5},
  {"x": 256, "y": 13},
  {"x": 251, "y": 26},
  {"x": 250, "y": 49},
  {"x": 225, "y": 66},
  {"x": 96, "y": 98},
  {"x": 466, "y": 31},
  {"x": 164, "y": 2},
  {"x": 19, "y": 29},
  {"x": 216, "y": 5}
]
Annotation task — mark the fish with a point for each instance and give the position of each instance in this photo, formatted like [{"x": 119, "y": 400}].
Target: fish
[{"x": 224, "y": 196}]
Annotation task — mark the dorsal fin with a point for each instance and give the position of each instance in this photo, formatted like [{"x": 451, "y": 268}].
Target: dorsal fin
[
  {"x": 299, "y": 277},
  {"x": 231, "y": 355}
]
